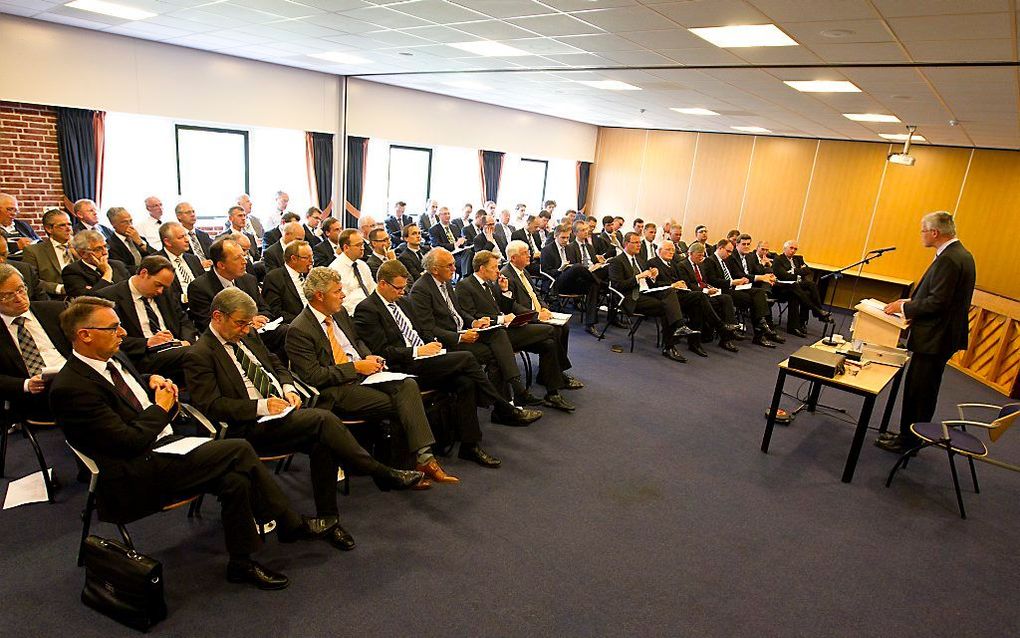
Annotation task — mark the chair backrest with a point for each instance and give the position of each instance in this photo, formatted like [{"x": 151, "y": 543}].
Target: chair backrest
[
  {"x": 89, "y": 463},
  {"x": 1007, "y": 417}
]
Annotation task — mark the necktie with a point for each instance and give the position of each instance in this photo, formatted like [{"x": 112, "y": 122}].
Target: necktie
[
  {"x": 449, "y": 304},
  {"x": 531, "y": 293},
  {"x": 196, "y": 246},
  {"x": 642, "y": 283},
  {"x": 449, "y": 235},
  {"x": 725, "y": 271},
  {"x": 563, "y": 258},
  {"x": 150, "y": 314},
  {"x": 121, "y": 386},
  {"x": 697, "y": 275},
  {"x": 585, "y": 260},
  {"x": 29, "y": 350},
  {"x": 339, "y": 356},
  {"x": 531, "y": 241},
  {"x": 183, "y": 272},
  {"x": 357, "y": 275},
  {"x": 254, "y": 371},
  {"x": 137, "y": 256},
  {"x": 410, "y": 334},
  {"x": 65, "y": 250}
]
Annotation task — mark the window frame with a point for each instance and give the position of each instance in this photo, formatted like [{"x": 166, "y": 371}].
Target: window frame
[
  {"x": 545, "y": 175},
  {"x": 210, "y": 129},
  {"x": 389, "y": 165}
]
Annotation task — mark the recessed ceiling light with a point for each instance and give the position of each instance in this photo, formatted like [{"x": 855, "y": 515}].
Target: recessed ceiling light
[
  {"x": 836, "y": 33},
  {"x": 870, "y": 117},
  {"x": 610, "y": 85},
  {"x": 340, "y": 57},
  {"x": 750, "y": 129},
  {"x": 111, "y": 9},
  {"x": 746, "y": 35},
  {"x": 488, "y": 48},
  {"x": 693, "y": 111},
  {"x": 823, "y": 86},
  {"x": 902, "y": 137}
]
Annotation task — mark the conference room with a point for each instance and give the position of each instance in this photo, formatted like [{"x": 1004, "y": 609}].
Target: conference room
[{"x": 581, "y": 317}]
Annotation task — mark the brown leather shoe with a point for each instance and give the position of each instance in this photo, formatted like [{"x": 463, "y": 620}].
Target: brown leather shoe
[
  {"x": 423, "y": 484},
  {"x": 433, "y": 471}
]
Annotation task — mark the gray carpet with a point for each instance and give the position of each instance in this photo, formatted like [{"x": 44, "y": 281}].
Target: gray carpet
[{"x": 651, "y": 511}]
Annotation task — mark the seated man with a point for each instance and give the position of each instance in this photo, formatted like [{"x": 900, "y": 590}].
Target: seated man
[
  {"x": 649, "y": 249},
  {"x": 283, "y": 288},
  {"x": 526, "y": 234},
  {"x": 187, "y": 266},
  {"x": 413, "y": 252},
  {"x": 238, "y": 223},
  {"x": 152, "y": 318},
  {"x": 717, "y": 274},
  {"x": 390, "y": 328},
  {"x": 789, "y": 267},
  {"x": 93, "y": 270},
  {"x": 28, "y": 273},
  {"x": 608, "y": 238},
  {"x": 693, "y": 303},
  {"x": 328, "y": 249},
  {"x": 354, "y": 272},
  {"x": 53, "y": 253},
  {"x": 198, "y": 240},
  {"x": 397, "y": 221},
  {"x": 570, "y": 264},
  {"x": 744, "y": 264},
  {"x": 442, "y": 233},
  {"x": 125, "y": 242},
  {"x": 274, "y": 235},
  {"x": 328, "y": 354},
  {"x": 313, "y": 221},
  {"x": 105, "y": 411},
  {"x": 630, "y": 280},
  {"x": 233, "y": 378},
  {"x": 486, "y": 298},
  {"x": 380, "y": 243},
  {"x": 272, "y": 254},
  {"x": 487, "y": 240},
  {"x": 15, "y": 232},
  {"x": 31, "y": 342}
]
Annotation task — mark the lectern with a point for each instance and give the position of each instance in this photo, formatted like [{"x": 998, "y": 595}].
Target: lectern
[{"x": 871, "y": 325}]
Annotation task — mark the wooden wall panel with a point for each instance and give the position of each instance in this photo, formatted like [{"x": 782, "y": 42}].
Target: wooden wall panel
[
  {"x": 619, "y": 160},
  {"x": 720, "y": 173},
  {"x": 908, "y": 193},
  {"x": 780, "y": 172},
  {"x": 988, "y": 220},
  {"x": 667, "y": 174},
  {"x": 841, "y": 202}
]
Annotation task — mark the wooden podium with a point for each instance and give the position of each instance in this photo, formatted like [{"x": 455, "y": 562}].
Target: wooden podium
[{"x": 871, "y": 325}]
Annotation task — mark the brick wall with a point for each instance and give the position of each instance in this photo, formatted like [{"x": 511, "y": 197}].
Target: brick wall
[{"x": 29, "y": 163}]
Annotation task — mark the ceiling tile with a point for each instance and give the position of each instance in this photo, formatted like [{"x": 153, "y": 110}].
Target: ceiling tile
[
  {"x": 962, "y": 50},
  {"x": 542, "y": 46},
  {"x": 712, "y": 14},
  {"x": 701, "y": 56},
  {"x": 397, "y": 38},
  {"x": 625, "y": 19},
  {"x": 385, "y": 17},
  {"x": 344, "y": 23},
  {"x": 849, "y": 53},
  {"x": 305, "y": 28},
  {"x": 666, "y": 39},
  {"x": 555, "y": 25},
  {"x": 244, "y": 14},
  {"x": 508, "y": 8},
  {"x": 439, "y": 34},
  {"x": 976, "y": 26},
  {"x": 637, "y": 58},
  {"x": 494, "y": 30},
  {"x": 598, "y": 42},
  {"x": 581, "y": 5},
  {"x": 217, "y": 20},
  {"x": 279, "y": 7},
  {"x": 805, "y": 10},
  {"x": 896, "y": 8},
  {"x": 838, "y": 31},
  {"x": 336, "y": 5},
  {"x": 437, "y": 11}
]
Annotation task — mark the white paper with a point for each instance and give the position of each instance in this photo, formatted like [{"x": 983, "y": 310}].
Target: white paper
[
  {"x": 429, "y": 356},
  {"x": 714, "y": 294},
  {"x": 30, "y": 489},
  {"x": 746, "y": 286},
  {"x": 273, "y": 417},
  {"x": 272, "y": 325},
  {"x": 459, "y": 250},
  {"x": 558, "y": 318},
  {"x": 180, "y": 447},
  {"x": 384, "y": 376},
  {"x": 492, "y": 326},
  {"x": 656, "y": 289},
  {"x": 597, "y": 265}
]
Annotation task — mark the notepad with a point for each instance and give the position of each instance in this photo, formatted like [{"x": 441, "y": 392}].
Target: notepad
[
  {"x": 742, "y": 287},
  {"x": 180, "y": 447},
  {"x": 558, "y": 318},
  {"x": 273, "y": 417},
  {"x": 656, "y": 289},
  {"x": 384, "y": 376}
]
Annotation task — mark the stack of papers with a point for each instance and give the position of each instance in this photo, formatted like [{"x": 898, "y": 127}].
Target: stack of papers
[{"x": 746, "y": 286}]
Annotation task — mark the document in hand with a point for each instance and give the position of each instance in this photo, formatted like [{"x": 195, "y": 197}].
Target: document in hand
[
  {"x": 180, "y": 447},
  {"x": 272, "y": 325},
  {"x": 429, "y": 356},
  {"x": 523, "y": 319},
  {"x": 746, "y": 286},
  {"x": 273, "y": 417},
  {"x": 491, "y": 327},
  {"x": 558, "y": 318},
  {"x": 383, "y": 377},
  {"x": 656, "y": 289}
]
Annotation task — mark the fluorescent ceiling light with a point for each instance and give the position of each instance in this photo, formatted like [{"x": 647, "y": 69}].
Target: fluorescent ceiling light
[
  {"x": 823, "y": 86},
  {"x": 750, "y": 129},
  {"x": 488, "y": 48},
  {"x": 466, "y": 84},
  {"x": 693, "y": 111},
  {"x": 902, "y": 137},
  {"x": 610, "y": 85},
  {"x": 111, "y": 9},
  {"x": 340, "y": 57},
  {"x": 745, "y": 35},
  {"x": 870, "y": 117}
]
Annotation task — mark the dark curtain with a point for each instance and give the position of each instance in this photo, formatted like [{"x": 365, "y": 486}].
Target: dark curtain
[
  {"x": 583, "y": 171},
  {"x": 322, "y": 170},
  {"x": 491, "y": 163},
  {"x": 76, "y": 145},
  {"x": 357, "y": 154}
]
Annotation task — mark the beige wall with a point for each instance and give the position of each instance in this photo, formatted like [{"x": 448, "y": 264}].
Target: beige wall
[{"x": 838, "y": 199}]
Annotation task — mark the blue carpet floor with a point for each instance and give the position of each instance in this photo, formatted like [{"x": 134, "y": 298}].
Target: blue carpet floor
[{"x": 650, "y": 511}]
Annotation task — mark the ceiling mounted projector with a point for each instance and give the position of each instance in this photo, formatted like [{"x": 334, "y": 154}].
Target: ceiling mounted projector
[{"x": 904, "y": 158}]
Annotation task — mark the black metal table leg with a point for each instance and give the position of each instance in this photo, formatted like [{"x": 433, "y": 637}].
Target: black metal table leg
[
  {"x": 891, "y": 401},
  {"x": 858, "y": 442},
  {"x": 770, "y": 422},
  {"x": 816, "y": 391}
]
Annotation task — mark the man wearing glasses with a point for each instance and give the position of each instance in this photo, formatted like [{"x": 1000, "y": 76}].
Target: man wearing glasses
[
  {"x": 16, "y": 232},
  {"x": 94, "y": 269},
  {"x": 354, "y": 272},
  {"x": 51, "y": 255},
  {"x": 381, "y": 250},
  {"x": 283, "y": 288}
]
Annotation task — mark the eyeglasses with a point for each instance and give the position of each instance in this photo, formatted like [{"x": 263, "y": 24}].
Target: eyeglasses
[
  {"x": 240, "y": 324},
  {"x": 397, "y": 288},
  {"x": 17, "y": 292},
  {"x": 114, "y": 327}
]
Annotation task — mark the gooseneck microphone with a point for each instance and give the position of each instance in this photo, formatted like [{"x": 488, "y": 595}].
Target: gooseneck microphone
[{"x": 879, "y": 251}]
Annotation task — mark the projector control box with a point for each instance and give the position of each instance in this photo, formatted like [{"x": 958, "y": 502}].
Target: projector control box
[{"x": 817, "y": 361}]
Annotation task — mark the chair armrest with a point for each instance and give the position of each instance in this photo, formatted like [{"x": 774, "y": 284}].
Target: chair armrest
[
  {"x": 308, "y": 392},
  {"x": 960, "y": 407},
  {"x": 90, "y": 464},
  {"x": 201, "y": 418},
  {"x": 547, "y": 276},
  {"x": 979, "y": 424},
  {"x": 616, "y": 292}
]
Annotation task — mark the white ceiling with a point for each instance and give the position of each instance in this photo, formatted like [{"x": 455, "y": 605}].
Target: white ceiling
[{"x": 402, "y": 37}]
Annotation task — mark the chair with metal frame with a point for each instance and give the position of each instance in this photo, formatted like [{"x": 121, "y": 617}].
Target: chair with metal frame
[
  {"x": 27, "y": 427},
  {"x": 636, "y": 319},
  {"x": 952, "y": 436},
  {"x": 559, "y": 300}
]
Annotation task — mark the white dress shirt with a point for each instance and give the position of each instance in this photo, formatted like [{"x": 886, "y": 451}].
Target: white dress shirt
[
  {"x": 354, "y": 294},
  {"x": 50, "y": 355},
  {"x": 341, "y": 336},
  {"x": 143, "y": 317},
  {"x": 129, "y": 379},
  {"x": 295, "y": 278},
  {"x": 262, "y": 407},
  {"x": 148, "y": 228}
]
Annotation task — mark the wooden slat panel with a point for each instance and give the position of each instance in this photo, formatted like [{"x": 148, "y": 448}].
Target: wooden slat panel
[
  {"x": 667, "y": 173},
  {"x": 993, "y": 352},
  {"x": 617, "y": 171},
  {"x": 907, "y": 194},
  {"x": 841, "y": 201},
  {"x": 720, "y": 172},
  {"x": 780, "y": 171},
  {"x": 989, "y": 213}
]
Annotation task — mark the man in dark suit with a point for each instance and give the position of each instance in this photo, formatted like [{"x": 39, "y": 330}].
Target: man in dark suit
[
  {"x": 676, "y": 231},
  {"x": 125, "y": 243},
  {"x": 526, "y": 234},
  {"x": 380, "y": 247},
  {"x": 390, "y": 327},
  {"x": 94, "y": 269},
  {"x": 504, "y": 230},
  {"x": 465, "y": 219},
  {"x": 472, "y": 230},
  {"x": 429, "y": 218},
  {"x": 412, "y": 254},
  {"x": 441, "y": 234},
  {"x": 649, "y": 249},
  {"x": 328, "y": 354},
  {"x": 28, "y": 273},
  {"x": 486, "y": 239},
  {"x": 105, "y": 410},
  {"x": 187, "y": 266},
  {"x": 30, "y": 342},
  {"x": 397, "y": 221},
  {"x": 274, "y": 235},
  {"x": 717, "y": 274},
  {"x": 53, "y": 253},
  {"x": 237, "y": 219},
  {"x": 744, "y": 264},
  {"x": 16, "y": 232},
  {"x": 283, "y": 288},
  {"x": 569, "y": 266},
  {"x": 691, "y": 272},
  {"x": 272, "y": 254},
  {"x": 701, "y": 237},
  {"x": 938, "y": 312},
  {"x": 610, "y": 241},
  {"x": 789, "y": 267},
  {"x": 86, "y": 217},
  {"x": 158, "y": 330},
  {"x": 198, "y": 240},
  {"x": 312, "y": 226},
  {"x": 233, "y": 378},
  {"x": 328, "y": 249}
]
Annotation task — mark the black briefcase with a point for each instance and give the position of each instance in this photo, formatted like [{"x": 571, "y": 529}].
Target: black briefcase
[{"x": 123, "y": 584}]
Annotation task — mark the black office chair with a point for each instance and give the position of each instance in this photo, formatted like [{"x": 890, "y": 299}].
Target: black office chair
[
  {"x": 635, "y": 318},
  {"x": 27, "y": 426}
]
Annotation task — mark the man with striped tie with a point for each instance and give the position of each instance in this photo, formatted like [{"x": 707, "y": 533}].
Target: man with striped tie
[{"x": 187, "y": 266}]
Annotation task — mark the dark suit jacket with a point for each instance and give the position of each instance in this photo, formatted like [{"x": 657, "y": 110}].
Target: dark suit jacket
[
  {"x": 310, "y": 237},
  {"x": 940, "y": 304},
  {"x": 216, "y": 385},
  {"x": 712, "y": 272},
  {"x": 686, "y": 272},
  {"x": 324, "y": 253},
  {"x": 433, "y": 314},
  {"x": 438, "y": 237},
  {"x": 31, "y": 278},
  {"x": 425, "y": 223},
  {"x": 736, "y": 265},
  {"x": 43, "y": 257},
  {"x": 374, "y": 261},
  {"x": 624, "y": 279},
  {"x": 668, "y": 273},
  {"x": 593, "y": 250},
  {"x": 459, "y": 223},
  {"x": 21, "y": 229},
  {"x": 13, "y": 371},
  {"x": 193, "y": 263},
  {"x": 272, "y": 256},
  {"x": 203, "y": 289},
  {"x": 255, "y": 251},
  {"x": 480, "y": 242},
  {"x": 551, "y": 262},
  {"x": 605, "y": 242},
  {"x": 97, "y": 421},
  {"x": 411, "y": 262},
  {"x": 519, "y": 293},
  {"x": 479, "y": 300},
  {"x": 522, "y": 234},
  {"x": 380, "y": 332},
  {"x": 395, "y": 227},
  {"x": 311, "y": 357},
  {"x": 469, "y": 233},
  {"x": 80, "y": 279},
  {"x": 204, "y": 240},
  {"x": 271, "y": 236},
  {"x": 281, "y": 295},
  {"x": 781, "y": 267},
  {"x": 170, "y": 310},
  {"x": 120, "y": 252},
  {"x": 502, "y": 236}
]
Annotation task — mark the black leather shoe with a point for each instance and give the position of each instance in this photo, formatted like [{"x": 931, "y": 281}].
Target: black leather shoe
[
  {"x": 774, "y": 338},
  {"x": 739, "y": 335},
  {"x": 826, "y": 317},
  {"x": 572, "y": 383},
  {"x": 762, "y": 341},
  {"x": 684, "y": 331},
  {"x": 697, "y": 349},
  {"x": 518, "y": 418},
  {"x": 527, "y": 399},
  {"x": 395, "y": 479},
  {"x": 341, "y": 539},
  {"x": 592, "y": 330},
  {"x": 252, "y": 572},
  {"x": 478, "y": 455},
  {"x": 308, "y": 529},
  {"x": 619, "y": 324},
  {"x": 729, "y": 345},
  {"x": 896, "y": 443},
  {"x": 674, "y": 354},
  {"x": 730, "y": 327},
  {"x": 557, "y": 402},
  {"x": 799, "y": 332}
]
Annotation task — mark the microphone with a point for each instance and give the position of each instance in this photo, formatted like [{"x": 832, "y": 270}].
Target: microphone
[{"x": 879, "y": 251}]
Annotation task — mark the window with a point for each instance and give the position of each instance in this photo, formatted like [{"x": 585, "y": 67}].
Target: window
[
  {"x": 212, "y": 167},
  {"x": 409, "y": 177},
  {"x": 531, "y": 181}
]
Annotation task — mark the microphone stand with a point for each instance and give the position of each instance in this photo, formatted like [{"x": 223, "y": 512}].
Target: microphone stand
[{"x": 836, "y": 275}]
